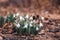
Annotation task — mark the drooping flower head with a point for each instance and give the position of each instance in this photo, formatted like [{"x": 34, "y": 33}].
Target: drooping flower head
[
  {"x": 31, "y": 18},
  {"x": 41, "y": 24},
  {"x": 30, "y": 24},
  {"x": 14, "y": 15},
  {"x": 21, "y": 18},
  {"x": 37, "y": 28},
  {"x": 26, "y": 25},
  {"x": 17, "y": 25}
]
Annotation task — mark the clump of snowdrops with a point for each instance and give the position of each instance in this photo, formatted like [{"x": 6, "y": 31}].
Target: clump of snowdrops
[{"x": 25, "y": 25}]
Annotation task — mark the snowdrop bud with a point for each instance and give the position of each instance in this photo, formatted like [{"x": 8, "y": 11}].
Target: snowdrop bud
[
  {"x": 27, "y": 16},
  {"x": 18, "y": 25},
  {"x": 26, "y": 25},
  {"x": 37, "y": 28},
  {"x": 17, "y": 14},
  {"x": 31, "y": 18},
  {"x": 41, "y": 25}
]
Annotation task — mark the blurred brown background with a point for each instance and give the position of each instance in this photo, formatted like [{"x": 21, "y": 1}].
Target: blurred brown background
[{"x": 30, "y": 6}]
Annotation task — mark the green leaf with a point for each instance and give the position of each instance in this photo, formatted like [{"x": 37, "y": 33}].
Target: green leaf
[
  {"x": 10, "y": 18},
  {"x": 1, "y": 20}
]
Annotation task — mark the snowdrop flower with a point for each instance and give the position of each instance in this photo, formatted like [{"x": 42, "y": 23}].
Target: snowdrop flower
[
  {"x": 30, "y": 25},
  {"x": 34, "y": 21},
  {"x": 31, "y": 18},
  {"x": 27, "y": 16},
  {"x": 31, "y": 21},
  {"x": 17, "y": 25},
  {"x": 15, "y": 21},
  {"x": 26, "y": 25},
  {"x": 17, "y": 14},
  {"x": 14, "y": 15},
  {"x": 41, "y": 25},
  {"x": 37, "y": 28},
  {"x": 21, "y": 18}
]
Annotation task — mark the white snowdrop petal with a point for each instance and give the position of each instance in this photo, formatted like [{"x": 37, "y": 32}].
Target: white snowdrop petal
[
  {"x": 26, "y": 25},
  {"x": 15, "y": 21},
  {"x": 18, "y": 25},
  {"x": 27, "y": 16},
  {"x": 31, "y": 21},
  {"x": 34, "y": 21},
  {"x": 41, "y": 25},
  {"x": 37, "y": 28},
  {"x": 42, "y": 17},
  {"x": 31, "y": 18},
  {"x": 31, "y": 25},
  {"x": 21, "y": 18},
  {"x": 14, "y": 15},
  {"x": 17, "y": 14}
]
